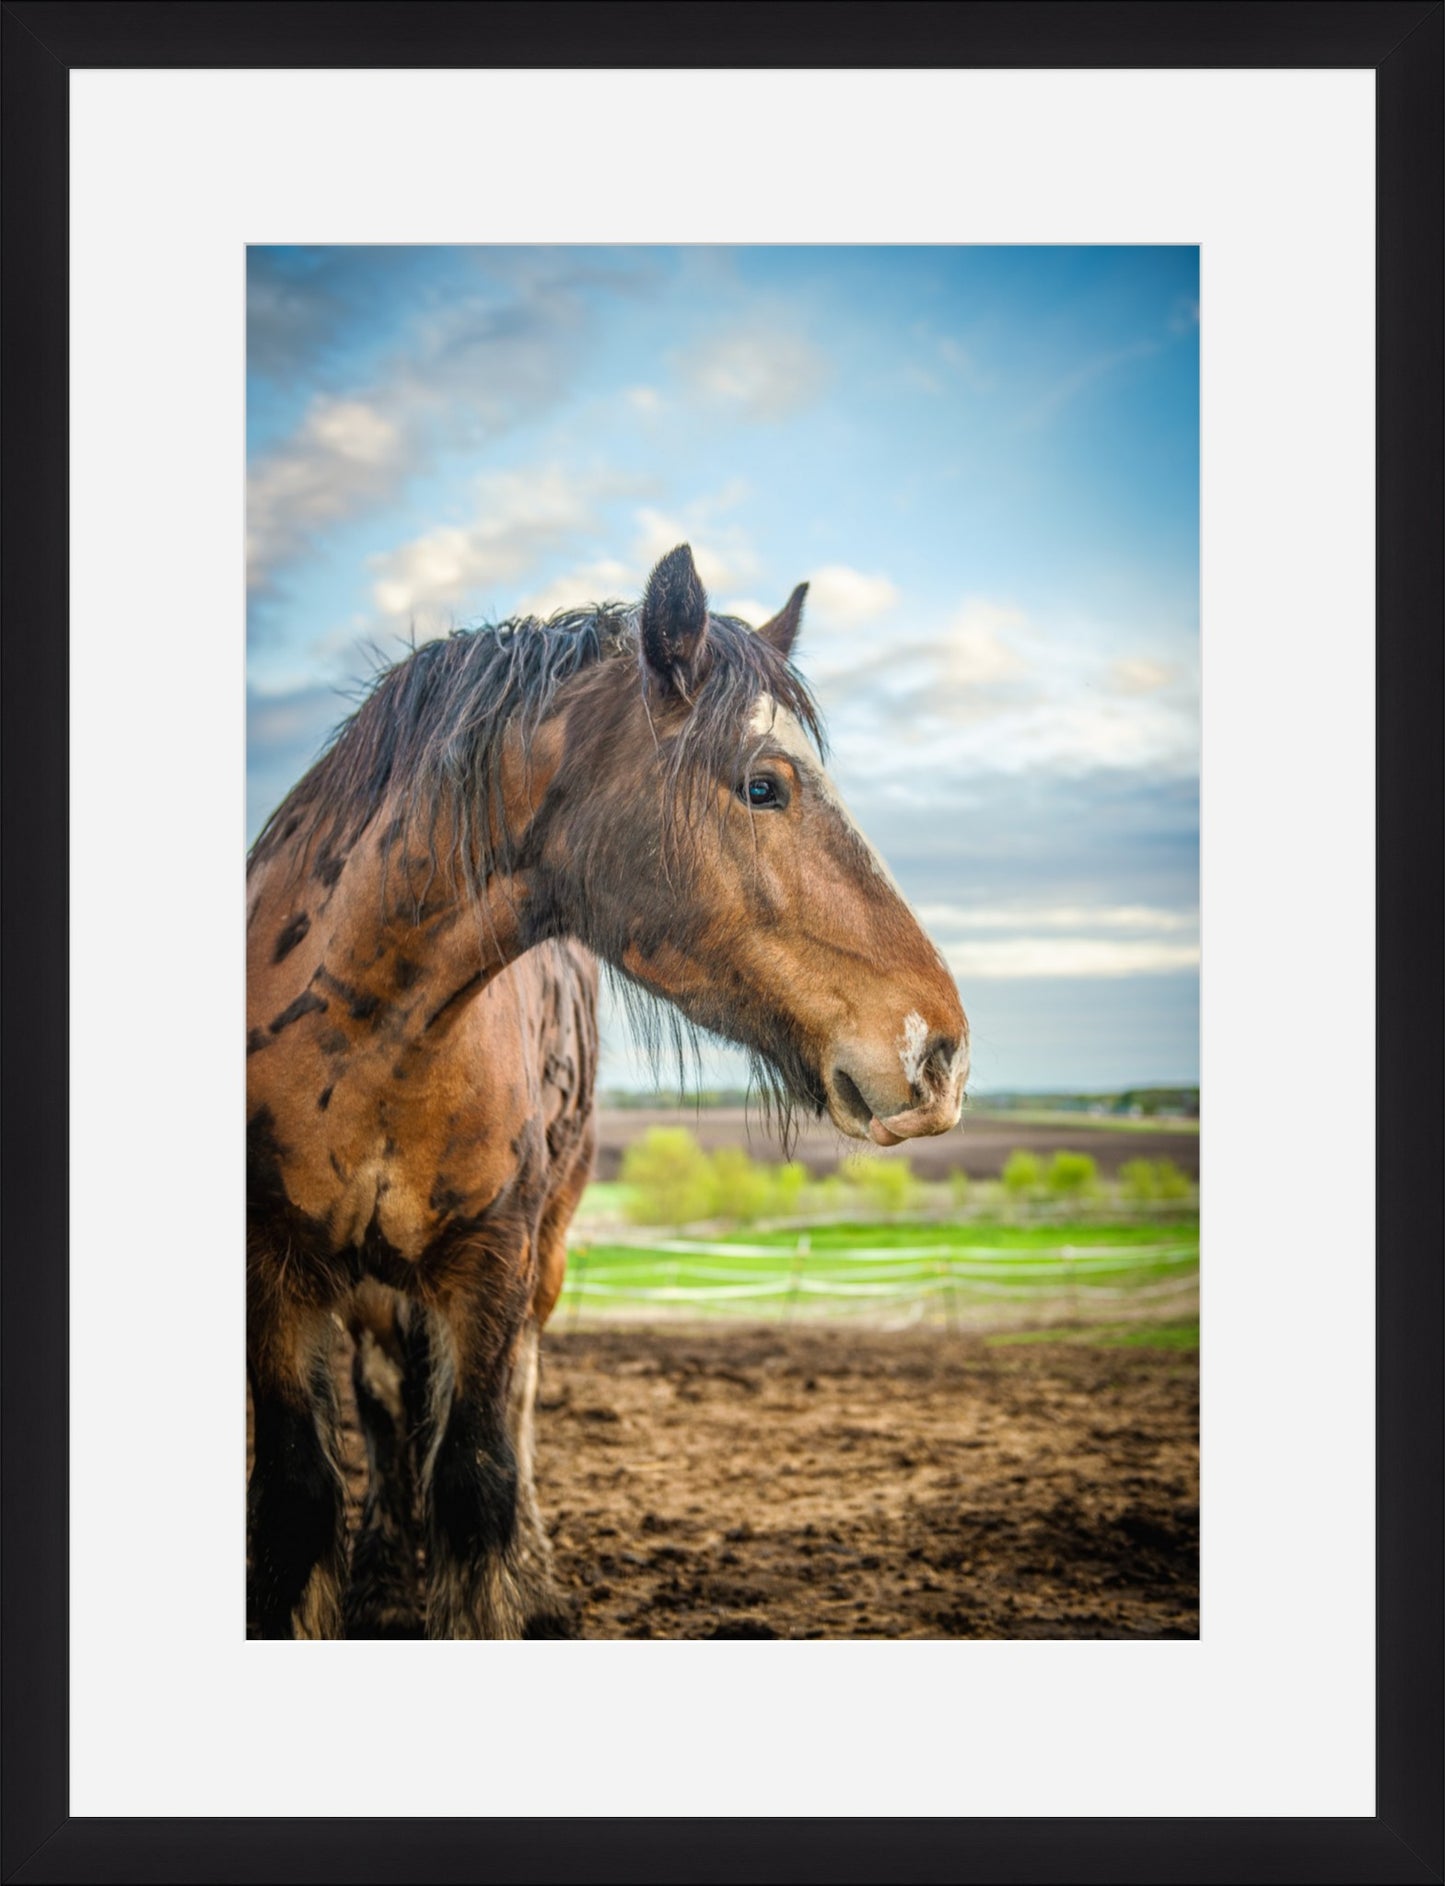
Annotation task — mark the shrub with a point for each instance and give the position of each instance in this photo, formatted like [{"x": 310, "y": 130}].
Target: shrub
[
  {"x": 1172, "y": 1183},
  {"x": 1022, "y": 1173},
  {"x": 741, "y": 1190},
  {"x": 1145, "y": 1180},
  {"x": 851, "y": 1169},
  {"x": 887, "y": 1184},
  {"x": 670, "y": 1176},
  {"x": 788, "y": 1184},
  {"x": 894, "y": 1185},
  {"x": 1072, "y": 1175},
  {"x": 1137, "y": 1181},
  {"x": 958, "y": 1187},
  {"x": 831, "y": 1194}
]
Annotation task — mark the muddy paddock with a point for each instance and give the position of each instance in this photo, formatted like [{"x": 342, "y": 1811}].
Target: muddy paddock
[{"x": 800, "y": 1481}]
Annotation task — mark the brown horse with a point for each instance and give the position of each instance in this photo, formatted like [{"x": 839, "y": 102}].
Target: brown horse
[{"x": 644, "y": 786}]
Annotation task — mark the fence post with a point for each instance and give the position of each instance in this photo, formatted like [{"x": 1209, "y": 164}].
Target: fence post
[
  {"x": 950, "y": 1308},
  {"x": 804, "y": 1245}
]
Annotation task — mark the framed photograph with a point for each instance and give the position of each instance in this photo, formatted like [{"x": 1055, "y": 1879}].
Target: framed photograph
[
  {"x": 1086, "y": 365},
  {"x": 798, "y": 843}
]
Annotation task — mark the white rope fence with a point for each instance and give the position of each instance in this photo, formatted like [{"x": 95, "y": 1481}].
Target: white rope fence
[{"x": 971, "y": 1283}]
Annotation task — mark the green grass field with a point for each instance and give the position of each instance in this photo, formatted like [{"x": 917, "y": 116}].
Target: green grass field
[{"x": 977, "y": 1273}]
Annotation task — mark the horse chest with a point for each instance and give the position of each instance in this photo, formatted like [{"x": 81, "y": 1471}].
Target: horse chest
[
  {"x": 390, "y": 1174},
  {"x": 390, "y": 1134},
  {"x": 389, "y": 1196},
  {"x": 379, "y": 1208}
]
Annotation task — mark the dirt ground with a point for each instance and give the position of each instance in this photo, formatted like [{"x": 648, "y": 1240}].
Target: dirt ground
[
  {"x": 978, "y": 1148},
  {"x": 802, "y": 1481}
]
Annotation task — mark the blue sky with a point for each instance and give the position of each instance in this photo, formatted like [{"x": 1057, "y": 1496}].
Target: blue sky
[{"x": 986, "y": 462}]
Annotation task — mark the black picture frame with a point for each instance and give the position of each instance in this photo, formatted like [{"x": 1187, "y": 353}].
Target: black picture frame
[{"x": 42, "y": 43}]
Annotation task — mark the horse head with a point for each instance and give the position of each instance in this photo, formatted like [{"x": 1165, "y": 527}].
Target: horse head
[{"x": 689, "y": 834}]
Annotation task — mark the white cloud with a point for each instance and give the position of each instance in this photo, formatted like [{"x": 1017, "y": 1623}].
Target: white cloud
[
  {"x": 842, "y": 605},
  {"x": 604, "y": 579},
  {"x": 1062, "y": 735},
  {"x": 747, "y": 607},
  {"x": 1129, "y": 917},
  {"x": 1061, "y": 940},
  {"x": 949, "y": 673},
  {"x": 976, "y": 651},
  {"x": 463, "y": 372},
  {"x": 765, "y": 372},
  {"x": 546, "y": 526},
  {"x": 1036, "y": 958},
  {"x": 1137, "y": 674},
  {"x": 345, "y": 453},
  {"x": 993, "y": 691},
  {"x": 845, "y": 598},
  {"x": 644, "y": 399},
  {"x": 520, "y": 516},
  {"x": 723, "y": 555},
  {"x": 925, "y": 731}
]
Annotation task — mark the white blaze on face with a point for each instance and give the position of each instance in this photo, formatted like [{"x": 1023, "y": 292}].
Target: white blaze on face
[
  {"x": 911, "y": 1048},
  {"x": 771, "y": 722}
]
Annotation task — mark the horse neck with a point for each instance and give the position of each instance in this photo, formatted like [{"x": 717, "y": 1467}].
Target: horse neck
[{"x": 394, "y": 933}]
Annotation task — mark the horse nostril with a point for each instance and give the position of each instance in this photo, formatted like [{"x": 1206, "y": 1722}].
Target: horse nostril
[
  {"x": 851, "y": 1095},
  {"x": 942, "y": 1057}
]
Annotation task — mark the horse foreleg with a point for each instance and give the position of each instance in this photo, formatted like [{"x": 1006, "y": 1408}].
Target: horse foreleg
[
  {"x": 475, "y": 1582},
  {"x": 489, "y": 1559},
  {"x": 548, "y": 1613},
  {"x": 389, "y": 1377},
  {"x": 295, "y": 1501}
]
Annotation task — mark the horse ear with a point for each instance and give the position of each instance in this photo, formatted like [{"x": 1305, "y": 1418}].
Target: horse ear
[
  {"x": 674, "y": 618},
  {"x": 782, "y": 631}
]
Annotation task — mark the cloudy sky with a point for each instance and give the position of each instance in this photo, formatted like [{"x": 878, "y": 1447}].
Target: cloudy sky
[{"x": 985, "y": 462}]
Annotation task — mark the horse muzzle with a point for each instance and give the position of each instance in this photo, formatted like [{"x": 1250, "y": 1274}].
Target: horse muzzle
[
  {"x": 918, "y": 1122},
  {"x": 889, "y": 1099}
]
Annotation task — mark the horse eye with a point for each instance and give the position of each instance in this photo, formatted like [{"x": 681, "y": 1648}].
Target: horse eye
[{"x": 760, "y": 791}]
